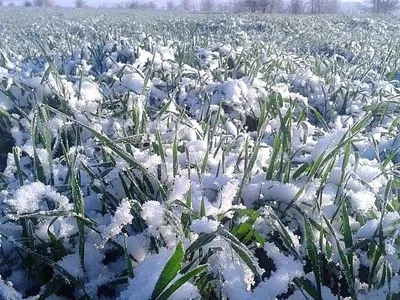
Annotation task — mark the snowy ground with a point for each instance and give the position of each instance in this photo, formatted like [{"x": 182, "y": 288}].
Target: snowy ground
[{"x": 149, "y": 156}]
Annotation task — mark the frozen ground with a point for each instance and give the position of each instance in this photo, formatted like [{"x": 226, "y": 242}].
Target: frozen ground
[{"x": 151, "y": 156}]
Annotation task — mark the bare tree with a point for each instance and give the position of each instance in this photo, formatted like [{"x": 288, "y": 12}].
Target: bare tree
[
  {"x": 250, "y": 5},
  {"x": 140, "y": 5},
  {"x": 270, "y": 6},
  {"x": 171, "y": 5},
  {"x": 324, "y": 6},
  {"x": 315, "y": 6},
  {"x": 384, "y": 6},
  {"x": 225, "y": 6},
  {"x": 149, "y": 5},
  {"x": 297, "y": 7},
  {"x": 133, "y": 5},
  {"x": 207, "y": 5},
  {"x": 264, "y": 6},
  {"x": 187, "y": 5},
  {"x": 331, "y": 6},
  {"x": 44, "y": 3},
  {"x": 80, "y": 3}
]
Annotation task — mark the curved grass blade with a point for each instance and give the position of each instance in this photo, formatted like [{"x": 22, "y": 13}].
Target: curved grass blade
[
  {"x": 181, "y": 281},
  {"x": 79, "y": 207},
  {"x": 243, "y": 253},
  {"x": 169, "y": 272},
  {"x": 201, "y": 241},
  {"x": 113, "y": 146},
  {"x": 313, "y": 255}
]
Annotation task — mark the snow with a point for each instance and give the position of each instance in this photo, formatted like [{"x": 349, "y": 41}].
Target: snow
[
  {"x": 216, "y": 86},
  {"x": 133, "y": 82},
  {"x": 204, "y": 225},
  {"x": 269, "y": 190},
  {"x": 327, "y": 144},
  {"x": 369, "y": 229},
  {"x": 36, "y": 196},
  {"x": 71, "y": 263},
  {"x": 363, "y": 201},
  {"x": 137, "y": 246},
  {"x": 5, "y": 102},
  {"x": 180, "y": 187},
  {"x": 121, "y": 218},
  {"x": 89, "y": 97},
  {"x": 146, "y": 276},
  {"x": 63, "y": 227},
  {"x": 287, "y": 269},
  {"x": 237, "y": 279},
  {"x": 152, "y": 212},
  {"x": 8, "y": 292}
]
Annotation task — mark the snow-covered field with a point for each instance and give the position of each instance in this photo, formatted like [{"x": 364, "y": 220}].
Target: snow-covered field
[{"x": 148, "y": 156}]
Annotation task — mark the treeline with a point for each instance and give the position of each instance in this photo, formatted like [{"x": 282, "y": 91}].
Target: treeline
[
  {"x": 39, "y": 3},
  {"x": 236, "y": 6},
  {"x": 281, "y": 6}
]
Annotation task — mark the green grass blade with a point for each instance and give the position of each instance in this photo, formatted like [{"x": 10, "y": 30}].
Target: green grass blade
[
  {"x": 181, "y": 281},
  {"x": 243, "y": 252},
  {"x": 201, "y": 241},
  {"x": 79, "y": 207},
  {"x": 117, "y": 149},
  {"x": 313, "y": 255},
  {"x": 169, "y": 271}
]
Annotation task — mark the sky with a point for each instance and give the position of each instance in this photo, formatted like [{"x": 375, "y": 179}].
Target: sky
[
  {"x": 91, "y": 2},
  {"x": 99, "y": 2},
  {"x": 95, "y": 3}
]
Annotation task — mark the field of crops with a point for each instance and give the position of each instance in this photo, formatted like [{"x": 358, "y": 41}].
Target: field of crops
[{"x": 166, "y": 156}]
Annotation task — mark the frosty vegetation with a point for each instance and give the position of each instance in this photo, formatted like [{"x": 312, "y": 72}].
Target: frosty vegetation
[{"x": 198, "y": 157}]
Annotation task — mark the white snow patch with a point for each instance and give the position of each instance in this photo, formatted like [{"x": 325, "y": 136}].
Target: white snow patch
[
  {"x": 204, "y": 225},
  {"x": 71, "y": 263},
  {"x": 37, "y": 196},
  {"x": 146, "y": 276}
]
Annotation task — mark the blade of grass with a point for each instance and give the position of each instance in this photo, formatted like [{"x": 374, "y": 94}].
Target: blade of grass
[{"x": 169, "y": 271}]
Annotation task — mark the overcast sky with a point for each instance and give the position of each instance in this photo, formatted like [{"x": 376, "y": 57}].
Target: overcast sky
[
  {"x": 159, "y": 3},
  {"x": 99, "y": 2},
  {"x": 95, "y": 3}
]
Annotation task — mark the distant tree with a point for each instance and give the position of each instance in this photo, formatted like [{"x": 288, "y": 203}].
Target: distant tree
[
  {"x": 43, "y": 3},
  {"x": 296, "y": 7},
  {"x": 149, "y": 5},
  {"x": 187, "y": 5},
  {"x": 264, "y": 6},
  {"x": 315, "y": 6},
  {"x": 383, "y": 6},
  {"x": 1, "y": 2},
  {"x": 250, "y": 5},
  {"x": 141, "y": 5},
  {"x": 80, "y": 3},
  {"x": 269, "y": 6},
  {"x": 324, "y": 6},
  {"x": 171, "y": 5},
  {"x": 133, "y": 5},
  {"x": 28, "y": 3},
  {"x": 225, "y": 6},
  {"x": 207, "y": 5},
  {"x": 331, "y": 7},
  {"x": 237, "y": 6}
]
